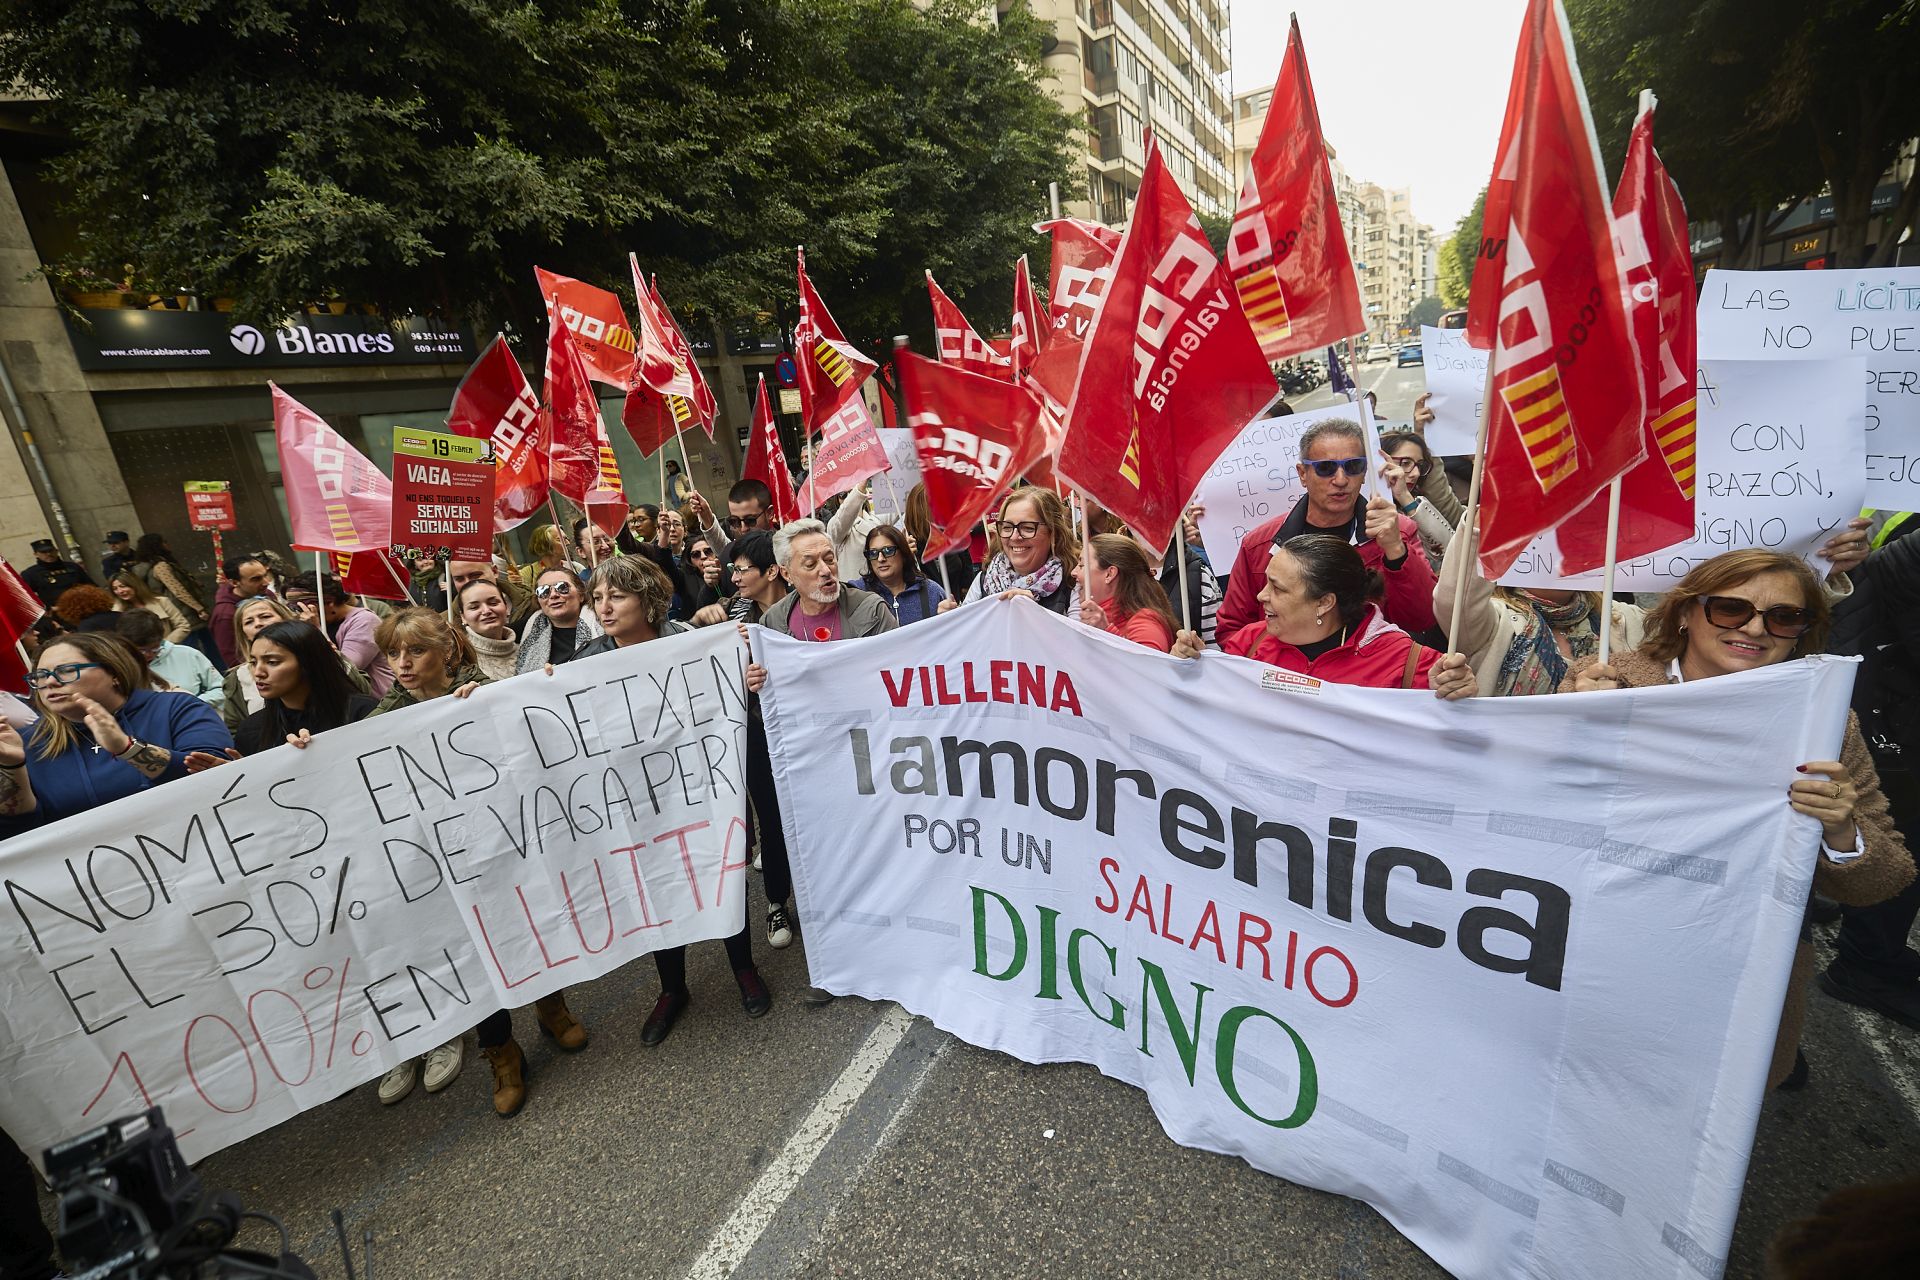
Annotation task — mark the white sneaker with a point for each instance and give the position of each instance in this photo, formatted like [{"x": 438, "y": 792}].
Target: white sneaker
[
  {"x": 756, "y": 859},
  {"x": 444, "y": 1063},
  {"x": 398, "y": 1083},
  {"x": 779, "y": 928}
]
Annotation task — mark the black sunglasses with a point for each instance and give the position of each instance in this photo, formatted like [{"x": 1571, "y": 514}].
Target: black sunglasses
[
  {"x": 1782, "y": 621},
  {"x": 882, "y": 553},
  {"x": 1326, "y": 467}
]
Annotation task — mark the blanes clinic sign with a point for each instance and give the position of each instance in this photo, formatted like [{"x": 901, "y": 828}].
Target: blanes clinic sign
[{"x": 127, "y": 339}]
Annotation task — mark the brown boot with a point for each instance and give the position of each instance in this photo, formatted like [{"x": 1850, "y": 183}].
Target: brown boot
[
  {"x": 567, "y": 1032},
  {"x": 509, "y": 1077}
]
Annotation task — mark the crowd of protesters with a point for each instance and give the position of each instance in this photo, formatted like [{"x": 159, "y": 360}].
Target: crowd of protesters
[{"x": 163, "y": 678}]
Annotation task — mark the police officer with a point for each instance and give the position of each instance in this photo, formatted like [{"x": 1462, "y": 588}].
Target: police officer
[
  {"x": 51, "y": 575},
  {"x": 119, "y": 553}
]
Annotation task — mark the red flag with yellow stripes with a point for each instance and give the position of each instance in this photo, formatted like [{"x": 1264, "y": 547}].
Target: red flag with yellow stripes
[{"x": 831, "y": 368}]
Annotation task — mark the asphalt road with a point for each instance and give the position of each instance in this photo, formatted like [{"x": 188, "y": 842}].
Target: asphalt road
[
  {"x": 1395, "y": 387},
  {"x": 852, "y": 1140}
]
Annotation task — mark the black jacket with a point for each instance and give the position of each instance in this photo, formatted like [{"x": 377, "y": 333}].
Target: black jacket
[{"x": 1880, "y": 624}]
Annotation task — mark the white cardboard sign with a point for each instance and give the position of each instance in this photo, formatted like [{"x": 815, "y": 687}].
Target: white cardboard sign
[{"x": 1456, "y": 389}]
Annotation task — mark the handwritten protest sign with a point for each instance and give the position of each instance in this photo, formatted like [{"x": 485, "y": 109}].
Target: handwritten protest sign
[
  {"x": 244, "y": 944},
  {"x": 1811, "y": 315},
  {"x": 1456, "y": 385},
  {"x": 1255, "y": 480},
  {"x": 1782, "y": 465},
  {"x": 890, "y": 487},
  {"x": 1528, "y": 1023}
]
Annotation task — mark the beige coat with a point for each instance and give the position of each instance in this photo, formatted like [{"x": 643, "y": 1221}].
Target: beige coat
[
  {"x": 170, "y": 615},
  {"x": 1882, "y": 869}
]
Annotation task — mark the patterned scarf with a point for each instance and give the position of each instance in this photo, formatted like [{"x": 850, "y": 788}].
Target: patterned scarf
[
  {"x": 999, "y": 576},
  {"x": 1534, "y": 663}
]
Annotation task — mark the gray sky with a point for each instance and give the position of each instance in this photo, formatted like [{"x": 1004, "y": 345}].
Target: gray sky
[{"x": 1410, "y": 91}]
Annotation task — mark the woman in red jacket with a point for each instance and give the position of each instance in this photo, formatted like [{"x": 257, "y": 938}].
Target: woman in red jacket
[
  {"x": 1119, "y": 593},
  {"x": 1320, "y": 620}
]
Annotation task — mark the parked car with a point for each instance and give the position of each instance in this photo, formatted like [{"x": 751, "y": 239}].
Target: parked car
[{"x": 1409, "y": 354}]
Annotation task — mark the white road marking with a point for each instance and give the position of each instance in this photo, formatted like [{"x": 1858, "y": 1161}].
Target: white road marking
[
  {"x": 736, "y": 1237},
  {"x": 1897, "y": 1066}
]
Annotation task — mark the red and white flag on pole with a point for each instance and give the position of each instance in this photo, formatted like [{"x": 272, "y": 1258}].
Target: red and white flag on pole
[
  {"x": 379, "y": 574},
  {"x": 767, "y": 461},
  {"x": 1651, "y": 241},
  {"x": 496, "y": 402},
  {"x": 975, "y": 435},
  {"x": 336, "y": 499},
  {"x": 581, "y": 466},
  {"x": 848, "y": 451},
  {"x": 705, "y": 407},
  {"x": 1082, "y": 264},
  {"x": 831, "y": 368},
  {"x": 1564, "y": 416},
  {"x": 1171, "y": 370},
  {"x": 1030, "y": 330},
  {"x": 1286, "y": 252},
  {"x": 661, "y": 398},
  {"x": 957, "y": 343},
  {"x": 598, "y": 324}
]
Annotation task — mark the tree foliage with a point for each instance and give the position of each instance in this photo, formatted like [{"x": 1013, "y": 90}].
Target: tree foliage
[
  {"x": 1763, "y": 103},
  {"x": 424, "y": 154},
  {"x": 1457, "y": 253},
  {"x": 1427, "y": 311}
]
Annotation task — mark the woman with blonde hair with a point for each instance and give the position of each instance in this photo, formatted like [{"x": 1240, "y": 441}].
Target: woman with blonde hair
[
  {"x": 1119, "y": 593},
  {"x": 1742, "y": 611},
  {"x": 546, "y": 549},
  {"x": 103, "y": 734},
  {"x": 1038, "y": 554},
  {"x": 430, "y": 659},
  {"x": 129, "y": 592}
]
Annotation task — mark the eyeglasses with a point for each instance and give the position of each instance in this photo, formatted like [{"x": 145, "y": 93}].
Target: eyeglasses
[
  {"x": 1415, "y": 465},
  {"x": 737, "y": 523},
  {"x": 704, "y": 554},
  {"x": 888, "y": 553},
  {"x": 65, "y": 673},
  {"x": 553, "y": 589},
  {"x": 1326, "y": 468},
  {"x": 1024, "y": 529},
  {"x": 742, "y": 570},
  {"x": 1782, "y": 621}
]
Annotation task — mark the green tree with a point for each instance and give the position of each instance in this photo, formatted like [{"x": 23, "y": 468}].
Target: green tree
[
  {"x": 1762, "y": 104},
  {"x": 1457, "y": 253},
  {"x": 1427, "y": 311},
  {"x": 425, "y": 154}
]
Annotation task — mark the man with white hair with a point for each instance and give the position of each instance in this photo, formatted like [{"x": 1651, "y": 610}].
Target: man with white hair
[{"x": 820, "y": 607}]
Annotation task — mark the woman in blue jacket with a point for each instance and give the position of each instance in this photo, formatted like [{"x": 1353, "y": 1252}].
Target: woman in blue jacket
[
  {"x": 103, "y": 734},
  {"x": 893, "y": 574}
]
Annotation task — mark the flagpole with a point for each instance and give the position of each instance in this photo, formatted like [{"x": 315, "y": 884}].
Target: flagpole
[
  {"x": 1605, "y": 621},
  {"x": 1471, "y": 515},
  {"x": 446, "y": 589},
  {"x": 400, "y": 582},
  {"x": 319, "y": 586}
]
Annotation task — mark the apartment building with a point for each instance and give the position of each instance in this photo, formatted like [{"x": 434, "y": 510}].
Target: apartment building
[{"x": 1125, "y": 65}]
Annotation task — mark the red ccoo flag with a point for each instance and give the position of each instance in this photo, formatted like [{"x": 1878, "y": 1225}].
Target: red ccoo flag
[
  {"x": 599, "y": 325},
  {"x": 19, "y": 610},
  {"x": 1081, "y": 267},
  {"x": 956, "y": 342},
  {"x": 1656, "y": 497},
  {"x": 1564, "y": 416},
  {"x": 975, "y": 436},
  {"x": 705, "y": 407},
  {"x": 1286, "y": 251},
  {"x": 767, "y": 461},
  {"x": 581, "y": 465},
  {"x": 379, "y": 574},
  {"x": 1029, "y": 329},
  {"x": 336, "y": 499},
  {"x": 660, "y": 398},
  {"x": 496, "y": 402},
  {"x": 1171, "y": 371},
  {"x": 831, "y": 368}
]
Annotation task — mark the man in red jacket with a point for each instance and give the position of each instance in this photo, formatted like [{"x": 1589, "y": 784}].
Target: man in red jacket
[{"x": 1333, "y": 467}]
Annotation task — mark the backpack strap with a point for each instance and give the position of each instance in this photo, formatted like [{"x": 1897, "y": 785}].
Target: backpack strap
[{"x": 1413, "y": 666}]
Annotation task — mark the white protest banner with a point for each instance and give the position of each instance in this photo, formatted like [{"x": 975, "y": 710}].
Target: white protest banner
[
  {"x": 1525, "y": 1009},
  {"x": 1456, "y": 390},
  {"x": 1781, "y": 465},
  {"x": 1810, "y": 315},
  {"x": 244, "y": 944},
  {"x": 1255, "y": 479}
]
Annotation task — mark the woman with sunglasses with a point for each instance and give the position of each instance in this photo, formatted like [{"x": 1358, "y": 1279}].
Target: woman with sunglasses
[
  {"x": 1037, "y": 557},
  {"x": 1742, "y": 611},
  {"x": 103, "y": 734},
  {"x": 1408, "y": 460},
  {"x": 894, "y": 575},
  {"x": 561, "y": 624},
  {"x": 700, "y": 578}
]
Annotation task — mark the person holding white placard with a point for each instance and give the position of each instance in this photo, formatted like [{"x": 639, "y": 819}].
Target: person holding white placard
[{"x": 1739, "y": 612}]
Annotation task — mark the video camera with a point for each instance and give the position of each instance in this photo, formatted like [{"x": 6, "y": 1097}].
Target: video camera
[{"x": 131, "y": 1209}]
